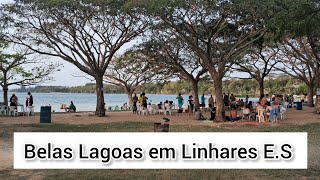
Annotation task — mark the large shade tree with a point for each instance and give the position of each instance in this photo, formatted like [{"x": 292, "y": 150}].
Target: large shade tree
[
  {"x": 215, "y": 30},
  {"x": 299, "y": 62},
  {"x": 85, "y": 33},
  {"x": 258, "y": 62},
  {"x": 172, "y": 54},
  {"x": 300, "y": 19},
  {"x": 21, "y": 69},
  {"x": 133, "y": 70}
]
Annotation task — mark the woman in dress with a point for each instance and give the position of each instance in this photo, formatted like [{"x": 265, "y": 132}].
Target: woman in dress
[{"x": 180, "y": 101}]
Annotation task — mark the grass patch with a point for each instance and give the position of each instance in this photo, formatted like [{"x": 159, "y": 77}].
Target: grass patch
[{"x": 313, "y": 171}]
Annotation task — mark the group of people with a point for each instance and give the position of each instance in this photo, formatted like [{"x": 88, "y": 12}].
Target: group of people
[
  {"x": 142, "y": 100},
  {"x": 29, "y": 102},
  {"x": 198, "y": 115},
  {"x": 272, "y": 107},
  {"x": 14, "y": 100},
  {"x": 231, "y": 102}
]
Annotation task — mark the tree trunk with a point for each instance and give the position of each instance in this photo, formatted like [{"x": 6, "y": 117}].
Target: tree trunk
[
  {"x": 129, "y": 93},
  {"x": 100, "y": 111},
  {"x": 219, "y": 101},
  {"x": 196, "y": 94},
  {"x": 5, "y": 95},
  {"x": 317, "y": 103},
  {"x": 261, "y": 87},
  {"x": 310, "y": 95}
]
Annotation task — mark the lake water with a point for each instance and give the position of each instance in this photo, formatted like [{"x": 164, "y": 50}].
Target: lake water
[{"x": 87, "y": 102}]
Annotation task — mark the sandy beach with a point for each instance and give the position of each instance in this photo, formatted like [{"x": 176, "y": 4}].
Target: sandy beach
[{"x": 293, "y": 116}]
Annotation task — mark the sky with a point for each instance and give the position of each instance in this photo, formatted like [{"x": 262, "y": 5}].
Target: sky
[
  {"x": 69, "y": 75},
  {"x": 65, "y": 77}
]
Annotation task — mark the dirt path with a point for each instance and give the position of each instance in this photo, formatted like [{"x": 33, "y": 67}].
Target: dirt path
[
  {"x": 6, "y": 155},
  {"x": 293, "y": 117}
]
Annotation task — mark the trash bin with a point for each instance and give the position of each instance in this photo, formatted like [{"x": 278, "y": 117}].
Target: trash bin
[
  {"x": 299, "y": 105},
  {"x": 45, "y": 114}
]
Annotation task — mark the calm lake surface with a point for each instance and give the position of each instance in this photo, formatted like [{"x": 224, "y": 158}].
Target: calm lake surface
[{"x": 87, "y": 102}]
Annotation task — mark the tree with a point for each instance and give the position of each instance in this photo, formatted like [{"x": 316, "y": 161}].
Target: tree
[
  {"x": 216, "y": 31},
  {"x": 300, "y": 19},
  {"x": 258, "y": 62},
  {"x": 174, "y": 55},
  {"x": 13, "y": 70},
  {"x": 132, "y": 70},
  {"x": 86, "y": 34},
  {"x": 299, "y": 62}
]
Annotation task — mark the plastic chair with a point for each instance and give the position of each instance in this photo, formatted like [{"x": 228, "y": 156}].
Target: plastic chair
[
  {"x": 3, "y": 109},
  {"x": 63, "y": 106},
  {"x": 246, "y": 114},
  {"x": 30, "y": 110},
  {"x": 13, "y": 110},
  {"x": 160, "y": 110},
  {"x": 168, "y": 108},
  {"x": 152, "y": 109},
  {"x": 144, "y": 111},
  {"x": 139, "y": 108},
  {"x": 260, "y": 115},
  {"x": 283, "y": 112}
]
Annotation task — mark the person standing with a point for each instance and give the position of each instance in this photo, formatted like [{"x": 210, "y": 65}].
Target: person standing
[
  {"x": 180, "y": 101},
  {"x": 211, "y": 102},
  {"x": 29, "y": 101},
  {"x": 134, "y": 103},
  {"x": 225, "y": 99},
  {"x": 247, "y": 99},
  {"x": 191, "y": 104},
  {"x": 144, "y": 100},
  {"x": 203, "y": 103}
]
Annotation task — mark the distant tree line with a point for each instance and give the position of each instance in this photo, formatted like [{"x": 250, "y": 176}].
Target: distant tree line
[{"x": 242, "y": 87}]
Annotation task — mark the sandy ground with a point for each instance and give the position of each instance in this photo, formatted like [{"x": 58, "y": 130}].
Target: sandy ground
[{"x": 293, "y": 116}]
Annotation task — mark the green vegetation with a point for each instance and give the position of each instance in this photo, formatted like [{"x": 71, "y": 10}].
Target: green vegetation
[{"x": 313, "y": 171}]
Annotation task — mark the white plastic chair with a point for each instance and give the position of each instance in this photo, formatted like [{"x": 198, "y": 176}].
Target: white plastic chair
[
  {"x": 168, "y": 109},
  {"x": 160, "y": 110},
  {"x": 3, "y": 109},
  {"x": 139, "y": 109},
  {"x": 13, "y": 110},
  {"x": 144, "y": 111},
  {"x": 283, "y": 112},
  {"x": 260, "y": 115},
  {"x": 30, "y": 110},
  {"x": 246, "y": 113},
  {"x": 152, "y": 109}
]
